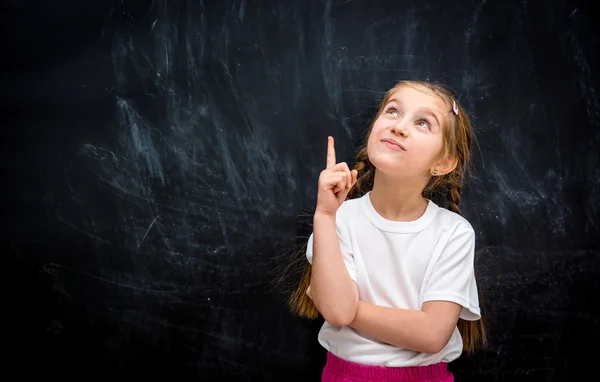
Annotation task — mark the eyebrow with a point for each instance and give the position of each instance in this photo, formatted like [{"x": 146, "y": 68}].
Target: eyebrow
[{"x": 423, "y": 109}]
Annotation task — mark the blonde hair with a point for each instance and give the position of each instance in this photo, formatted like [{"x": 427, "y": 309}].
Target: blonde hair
[{"x": 458, "y": 138}]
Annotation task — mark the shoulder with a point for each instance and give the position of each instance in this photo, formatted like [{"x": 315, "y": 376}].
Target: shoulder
[
  {"x": 456, "y": 237},
  {"x": 455, "y": 223},
  {"x": 350, "y": 207},
  {"x": 348, "y": 212}
]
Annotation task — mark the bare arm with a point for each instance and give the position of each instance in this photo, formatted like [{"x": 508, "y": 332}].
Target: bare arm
[
  {"x": 427, "y": 330},
  {"x": 333, "y": 291}
]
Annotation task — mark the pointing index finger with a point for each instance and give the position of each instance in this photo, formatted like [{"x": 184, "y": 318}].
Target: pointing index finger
[{"x": 330, "y": 153}]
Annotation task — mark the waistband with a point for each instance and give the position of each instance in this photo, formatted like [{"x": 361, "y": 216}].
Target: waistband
[{"x": 382, "y": 373}]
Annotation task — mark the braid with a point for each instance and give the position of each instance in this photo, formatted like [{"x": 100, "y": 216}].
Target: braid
[
  {"x": 366, "y": 174},
  {"x": 454, "y": 197},
  {"x": 473, "y": 332},
  {"x": 298, "y": 301}
]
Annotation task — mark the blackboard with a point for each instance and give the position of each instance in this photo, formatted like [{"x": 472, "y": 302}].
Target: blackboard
[{"x": 161, "y": 161}]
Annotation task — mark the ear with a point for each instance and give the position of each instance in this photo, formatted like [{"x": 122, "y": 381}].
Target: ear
[{"x": 444, "y": 166}]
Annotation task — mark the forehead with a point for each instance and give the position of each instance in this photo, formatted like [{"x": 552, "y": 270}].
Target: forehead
[{"x": 417, "y": 97}]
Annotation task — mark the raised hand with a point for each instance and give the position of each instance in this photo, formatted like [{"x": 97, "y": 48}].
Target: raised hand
[{"x": 334, "y": 183}]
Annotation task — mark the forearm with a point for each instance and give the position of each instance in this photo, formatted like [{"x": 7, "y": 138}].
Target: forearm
[
  {"x": 405, "y": 328},
  {"x": 334, "y": 293}
]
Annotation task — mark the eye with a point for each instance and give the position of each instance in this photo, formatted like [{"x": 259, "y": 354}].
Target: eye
[
  {"x": 424, "y": 123},
  {"x": 393, "y": 111}
]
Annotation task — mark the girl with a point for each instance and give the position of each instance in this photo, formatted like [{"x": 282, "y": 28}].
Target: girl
[{"x": 392, "y": 273}]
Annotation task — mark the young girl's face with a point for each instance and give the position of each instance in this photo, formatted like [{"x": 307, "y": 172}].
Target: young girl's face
[{"x": 407, "y": 137}]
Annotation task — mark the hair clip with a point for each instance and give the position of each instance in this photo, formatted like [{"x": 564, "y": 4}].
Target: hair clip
[{"x": 454, "y": 107}]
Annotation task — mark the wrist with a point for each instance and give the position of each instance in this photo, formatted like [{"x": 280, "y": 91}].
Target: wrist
[{"x": 322, "y": 215}]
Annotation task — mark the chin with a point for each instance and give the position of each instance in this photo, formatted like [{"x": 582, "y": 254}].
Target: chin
[
  {"x": 383, "y": 162},
  {"x": 393, "y": 166}
]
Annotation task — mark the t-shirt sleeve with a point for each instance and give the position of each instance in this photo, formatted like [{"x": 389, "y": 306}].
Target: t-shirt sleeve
[
  {"x": 345, "y": 248},
  {"x": 453, "y": 275}
]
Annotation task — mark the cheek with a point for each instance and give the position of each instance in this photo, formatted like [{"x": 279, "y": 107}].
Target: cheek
[
  {"x": 379, "y": 124},
  {"x": 431, "y": 150},
  {"x": 373, "y": 134},
  {"x": 437, "y": 145}
]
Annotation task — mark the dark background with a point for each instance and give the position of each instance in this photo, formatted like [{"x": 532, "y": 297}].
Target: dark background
[{"x": 161, "y": 162}]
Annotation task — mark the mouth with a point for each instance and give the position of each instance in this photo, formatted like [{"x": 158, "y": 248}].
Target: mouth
[{"x": 393, "y": 144}]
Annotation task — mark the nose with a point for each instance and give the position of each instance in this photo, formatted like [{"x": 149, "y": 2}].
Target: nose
[{"x": 399, "y": 128}]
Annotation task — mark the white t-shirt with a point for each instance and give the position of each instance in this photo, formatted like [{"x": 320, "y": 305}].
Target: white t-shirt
[{"x": 402, "y": 265}]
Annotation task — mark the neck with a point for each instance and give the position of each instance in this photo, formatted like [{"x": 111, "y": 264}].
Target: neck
[{"x": 397, "y": 199}]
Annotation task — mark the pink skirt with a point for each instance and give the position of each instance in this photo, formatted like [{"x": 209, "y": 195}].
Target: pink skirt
[{"x": 339, "y": 370}]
